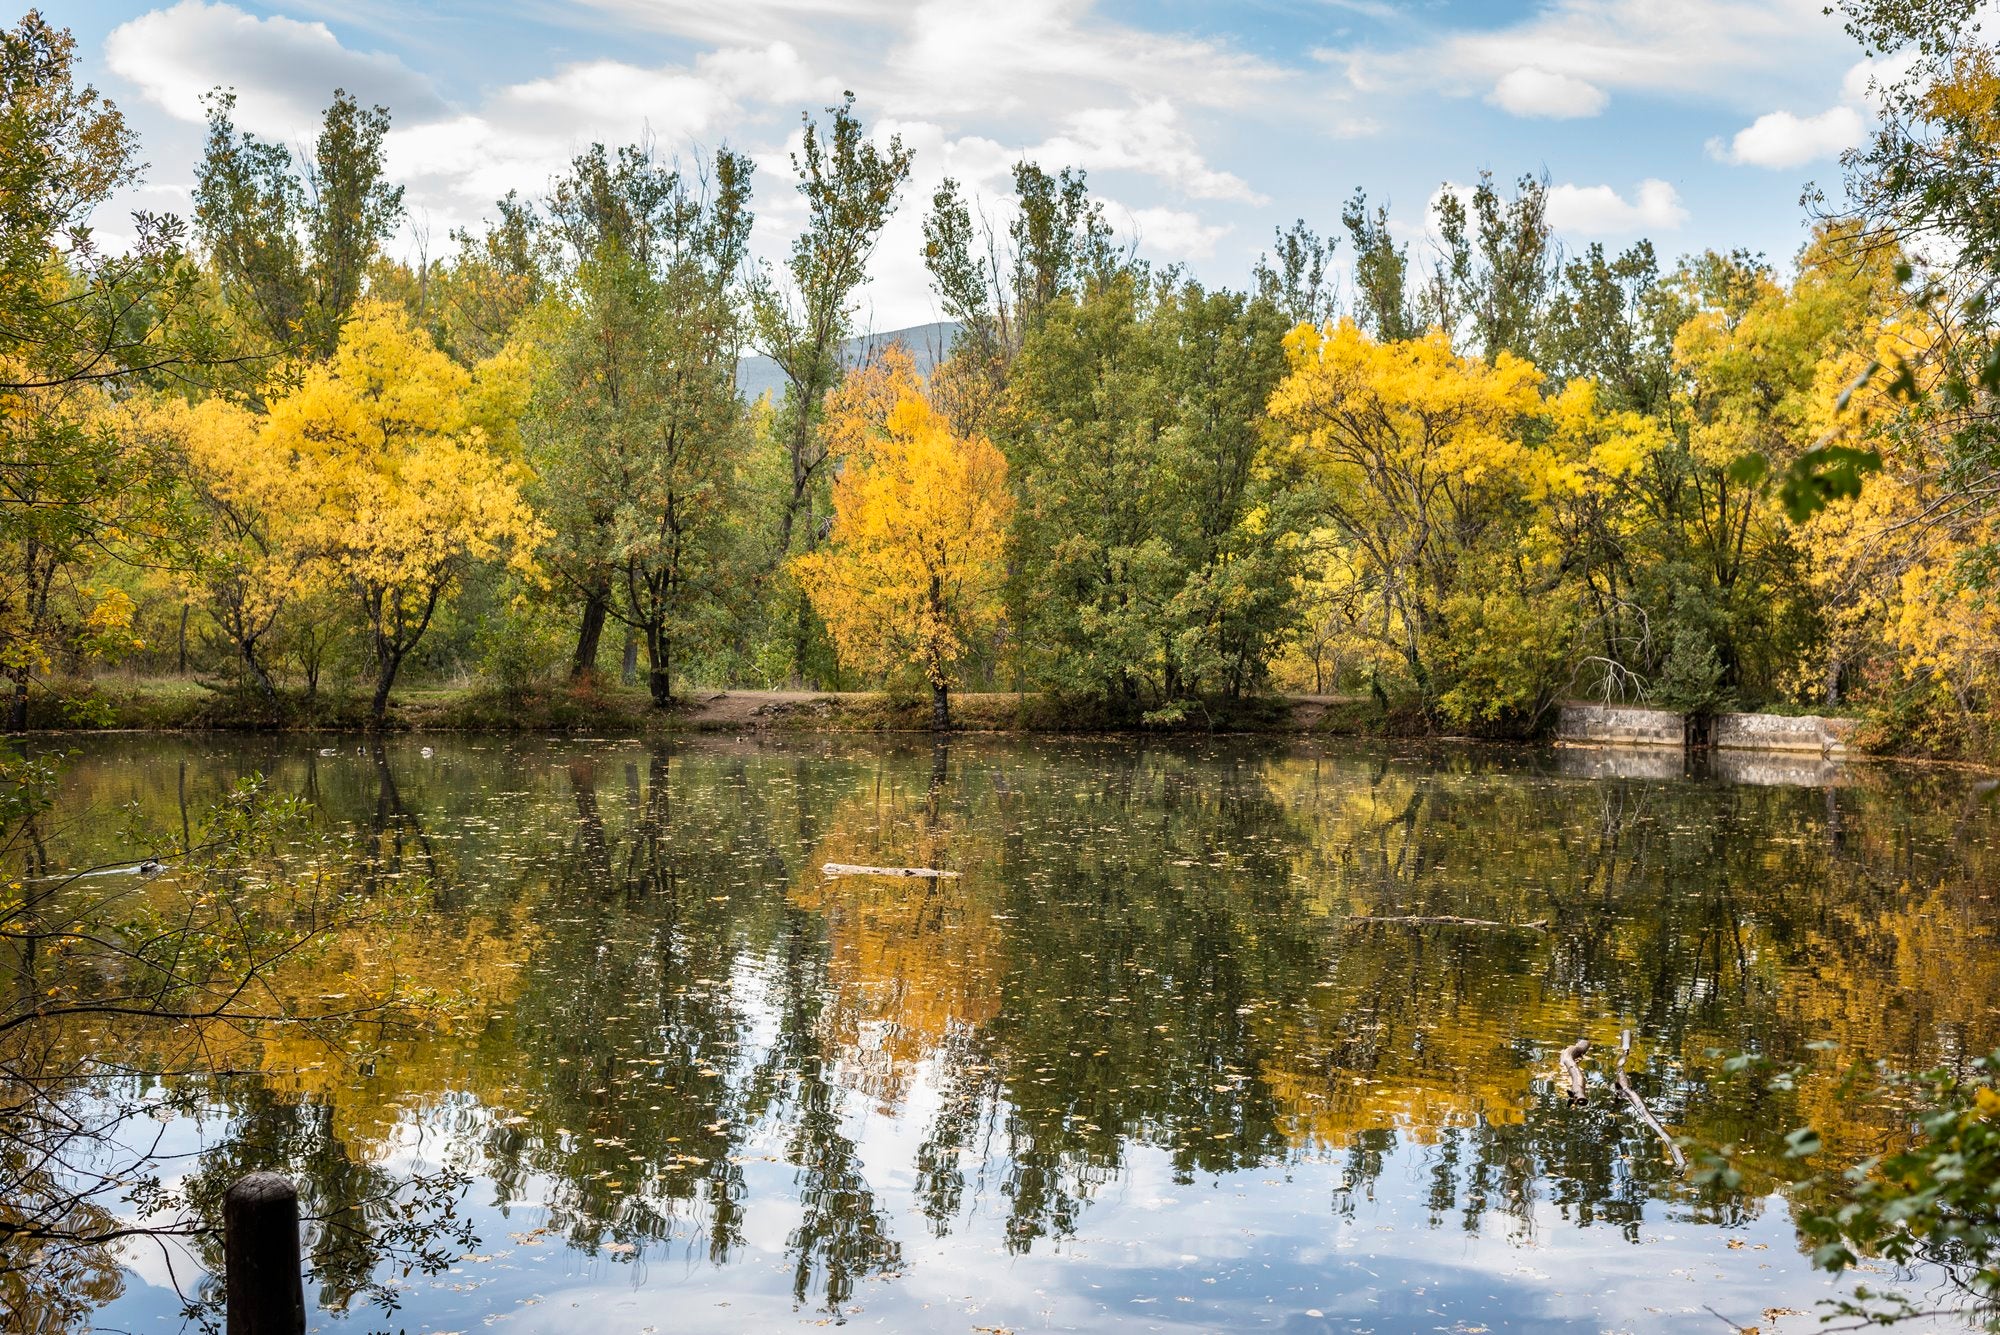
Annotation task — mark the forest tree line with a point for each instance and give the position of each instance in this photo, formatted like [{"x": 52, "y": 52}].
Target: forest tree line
[{"x": 1469, "y": 478}]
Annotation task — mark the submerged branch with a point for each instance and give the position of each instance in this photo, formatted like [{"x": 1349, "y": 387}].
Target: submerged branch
[
  {"x": 1639, "y": 1104},
  {"x": 1573, "y": 1073}
]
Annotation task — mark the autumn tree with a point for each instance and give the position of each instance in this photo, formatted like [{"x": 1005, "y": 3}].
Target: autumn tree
[
  {"x": 1732, "y": 570},
  {"x": 1420, "y": 459},
  {"x": 850, "y": 187},
  {"x": 406, "y": 491},
  {"x": 245, "y": 561},
  {"x": 75, "y": 324},
  {"x": 911, "y": 574}
]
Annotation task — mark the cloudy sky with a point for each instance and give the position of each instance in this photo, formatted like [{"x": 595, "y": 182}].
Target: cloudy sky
[{"x": 1202, "y": 125}]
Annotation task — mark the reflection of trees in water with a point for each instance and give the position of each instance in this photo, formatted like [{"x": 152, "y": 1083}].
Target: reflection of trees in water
[
  {"x": 647, "y": 1090},
  {"x": 394, "y": 841},
  {"x": 356, "y": 1208},
  {"x": 1151, "y": 948},
  {"x": 1154, "y": 948},
  {"x": 168, "y": 994}
]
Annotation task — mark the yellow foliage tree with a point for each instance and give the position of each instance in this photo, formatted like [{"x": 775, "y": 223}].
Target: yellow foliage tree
[
  {"x": 912, "y": 574},
  {"x": 1420, "y": 457},
  {"x": 406, "y": 491},
  {"x": 247, "y": 562}
]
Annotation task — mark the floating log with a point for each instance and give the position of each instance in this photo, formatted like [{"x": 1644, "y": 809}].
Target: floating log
[
  {"x": 1573, "y": 1073},
  {"x": 849, "y": 869},
  {"x": 1538, "y": 925},
  {"x": 1639, "y": 1104}
]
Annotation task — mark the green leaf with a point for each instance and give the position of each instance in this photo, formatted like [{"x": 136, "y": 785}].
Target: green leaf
[
  {"x": 1749, "y": 469},
  {"x": 1824, "y": 475}
]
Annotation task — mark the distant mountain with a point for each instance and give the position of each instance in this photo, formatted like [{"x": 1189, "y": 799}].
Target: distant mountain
[{"x": 928, "y": 344}]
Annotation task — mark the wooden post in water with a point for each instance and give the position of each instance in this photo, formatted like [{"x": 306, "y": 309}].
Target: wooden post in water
[{"x": 260, "y": 1247}]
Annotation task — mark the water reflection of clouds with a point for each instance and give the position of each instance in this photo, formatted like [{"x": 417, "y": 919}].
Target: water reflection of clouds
[{"x": 1129, "y": 865}]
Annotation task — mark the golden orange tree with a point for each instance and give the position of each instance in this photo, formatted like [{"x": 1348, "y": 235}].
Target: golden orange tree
[
  {"x": 394, "y": 442},
  {"x": 912, "y": 574}
]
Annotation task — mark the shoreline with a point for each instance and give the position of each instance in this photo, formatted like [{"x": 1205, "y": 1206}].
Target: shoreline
[{"x": 184, "y": 706}]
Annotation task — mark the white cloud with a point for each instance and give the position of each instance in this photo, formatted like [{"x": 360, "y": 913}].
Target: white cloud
[
  {"x": 1530, "y": 91},
  {"x": 1171, "y": 234},
  {"x": 1013, "y": 55},
  {"x": 730, "y": 21},
  {"x": 523, "y": 134},
  {"x": 1867, "y": 80},
  {"x": 1780, "y": 140},
  {"x": 1599, "y": 210},
  {"x": 1576, "y": 210},
  {"x": 1730, "y": 50},
  {"x": 936, "y": 57},
  {"x": 284, "y": 71},
  {"x": 973, "y": 85},
  {"x": 1147, "y": 138}
]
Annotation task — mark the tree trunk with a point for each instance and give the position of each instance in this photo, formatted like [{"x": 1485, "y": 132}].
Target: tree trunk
[
  {"x": 181, "y": 658},
  {"x": 802, "y": 642},
  {"x": 584, "y": 662},
  {"x": 17, "y": 711},
  {"x": 384, "y": 679},
  {"x": 309, "y": 660},
  {"x": 629, "y": 669},
  {"x": 658, "y": 681},
  {"x": 1832, "y": 692},
  {"x": 940, "y": 706},
  {"x": 264, "y": 682}
]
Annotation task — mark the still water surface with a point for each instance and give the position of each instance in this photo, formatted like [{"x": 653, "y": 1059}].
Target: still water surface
[{"x": 1142, "y": 1065}]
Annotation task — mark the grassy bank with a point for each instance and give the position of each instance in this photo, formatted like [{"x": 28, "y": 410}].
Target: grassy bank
[{"x": 183, "y": 704}]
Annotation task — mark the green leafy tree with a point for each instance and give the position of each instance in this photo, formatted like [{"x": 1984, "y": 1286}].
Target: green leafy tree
[
  {"x": 74, "y": 323},
  {"x": 635, "y": 429},
  {"x": 1381, "y": 272},
  {"x": 290, "y": 242},
  {"x": 1152, "y": 558}
]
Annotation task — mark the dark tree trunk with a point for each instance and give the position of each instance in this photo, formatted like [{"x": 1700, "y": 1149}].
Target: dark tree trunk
[
  {"x": 659, "y": 681},
  {"x": 940, "y": 706},
  {"x": 584, "y": 662},
  {"x": 181, "y": 657},
  {"x": 17, "y": 709},
  {"x": 384, "y": 679},
  {"x": 629, "y": 670}
]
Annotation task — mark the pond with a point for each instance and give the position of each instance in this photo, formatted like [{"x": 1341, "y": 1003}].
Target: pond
[{"x": 1224, "y": 1035}]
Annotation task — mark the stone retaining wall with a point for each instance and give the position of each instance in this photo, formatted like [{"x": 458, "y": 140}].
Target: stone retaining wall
[
  {"x": 1778, "y": 732},
  {"x": 1618, "y": 725},
  {"x": 1621, "y": 725}
]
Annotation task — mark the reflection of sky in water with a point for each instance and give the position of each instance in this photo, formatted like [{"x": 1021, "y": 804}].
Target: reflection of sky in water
[
  {"x": 1258, "y": 1249},
  {"x": 1249, "y": 832}
]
